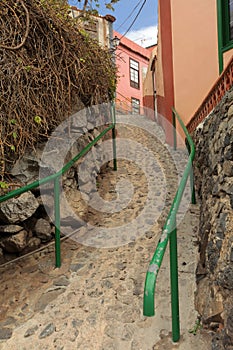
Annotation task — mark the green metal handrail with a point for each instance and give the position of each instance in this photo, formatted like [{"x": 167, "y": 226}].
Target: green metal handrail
[
  {"x": 169, "y": 233},
  {"x": 56, "y": 180}
]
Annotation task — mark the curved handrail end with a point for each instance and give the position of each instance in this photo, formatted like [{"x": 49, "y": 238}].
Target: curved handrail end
[
  {"x": 149, "y": 291},
  {"x": 168, "y": 230}
]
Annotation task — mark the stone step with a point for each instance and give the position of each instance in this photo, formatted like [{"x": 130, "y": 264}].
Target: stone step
[{"x": 95, "y": 301}]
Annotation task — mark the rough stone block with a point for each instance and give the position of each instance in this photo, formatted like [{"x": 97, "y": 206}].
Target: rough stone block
[
  {"x": 15, "y": 243},
  {"x": 228, "y": 168},
  {"x": 208, "y": 300},
  {"x": 18, "y": 209},
  {"x": 8, "y": 229},
  {"x": 225, "y": 278},
  {"x": 43, "y": 230}
]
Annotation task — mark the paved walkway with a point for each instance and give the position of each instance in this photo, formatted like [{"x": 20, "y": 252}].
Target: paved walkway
[{"x": 94, "y": 301}]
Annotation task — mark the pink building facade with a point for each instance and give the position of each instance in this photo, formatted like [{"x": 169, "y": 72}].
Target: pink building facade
[{"x": 132, "y": 63}]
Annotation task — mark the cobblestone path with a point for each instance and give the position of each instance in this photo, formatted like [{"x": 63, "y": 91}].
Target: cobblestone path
[{"x": 94, "y": 301}]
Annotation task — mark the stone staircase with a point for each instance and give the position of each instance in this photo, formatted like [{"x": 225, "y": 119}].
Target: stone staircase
[{"x": 95, "y": 301}]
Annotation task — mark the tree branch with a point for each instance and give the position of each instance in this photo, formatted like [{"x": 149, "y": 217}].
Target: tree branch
[{"x": 26, "y": 33}]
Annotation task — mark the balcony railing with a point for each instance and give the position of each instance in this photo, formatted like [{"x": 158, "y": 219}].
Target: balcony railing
[
  {"x": 221, "y": 86},
  {"x": 124, "y": 105}
]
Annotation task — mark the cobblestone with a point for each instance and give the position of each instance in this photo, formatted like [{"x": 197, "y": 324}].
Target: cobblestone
[{"x": 95, "y": 300}]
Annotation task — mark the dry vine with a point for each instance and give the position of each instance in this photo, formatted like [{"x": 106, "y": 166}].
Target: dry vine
[{"x": 48, "y": 68}]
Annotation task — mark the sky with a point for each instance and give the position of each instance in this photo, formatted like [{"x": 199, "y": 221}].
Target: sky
[{"x": 144, "y": 30}]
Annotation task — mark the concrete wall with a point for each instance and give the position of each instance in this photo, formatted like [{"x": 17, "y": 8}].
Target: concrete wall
[
  {"x": 195, "y": 52},
  {"x": 227, "y": 56},
  {"x": 149, "y": 86},
  {"x": 164, "y": 69}
]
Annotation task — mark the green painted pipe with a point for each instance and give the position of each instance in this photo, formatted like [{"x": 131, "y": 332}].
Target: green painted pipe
[
  {"x": 114, "y": 149},
  {"x": 168, "y": 233},
  {"x": 174, "y": 287},
  {"x": 113, "y": 111},
  {"x": 192, "y": 187},
  {"x": 57, "y": 221},
  {"x": 174, "y": 130},
  {"x": 193, "y": 193}
]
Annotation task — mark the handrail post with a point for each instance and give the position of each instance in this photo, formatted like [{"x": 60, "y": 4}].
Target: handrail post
[
  {"x": 57, "y": 221},
  {"x": 193, "y": 195},
  {"x": 169, "y": 231},
  {"x": 192, "y": 186},
  {"x": 56, "y": 181},
  {"x": 174, "y": 286},
  {"x": 174, "y": 130},
  {"x": 114, "y": 137}
]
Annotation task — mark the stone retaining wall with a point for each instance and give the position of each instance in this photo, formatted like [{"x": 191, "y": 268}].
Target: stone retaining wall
[
  {"x": 25, "y": 225},
  {"x": 214, "y": 185}
]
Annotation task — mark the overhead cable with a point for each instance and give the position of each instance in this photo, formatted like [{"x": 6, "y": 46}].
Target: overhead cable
[
  {"x": 131, "y": 25},
  {"x": 129, "y": 15}
]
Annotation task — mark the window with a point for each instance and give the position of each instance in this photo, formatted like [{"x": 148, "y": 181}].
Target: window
[
  {"x": 225, "y": 13},
  {"x": 225, "y": 28},
  {"x": 231, "y": 19},
  {"x": 134, "y": 73},
  {"x": 135, "y": 105}
]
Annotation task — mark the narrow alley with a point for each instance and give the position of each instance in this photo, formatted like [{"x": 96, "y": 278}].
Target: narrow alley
[{"x": 95, "y": 300}]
